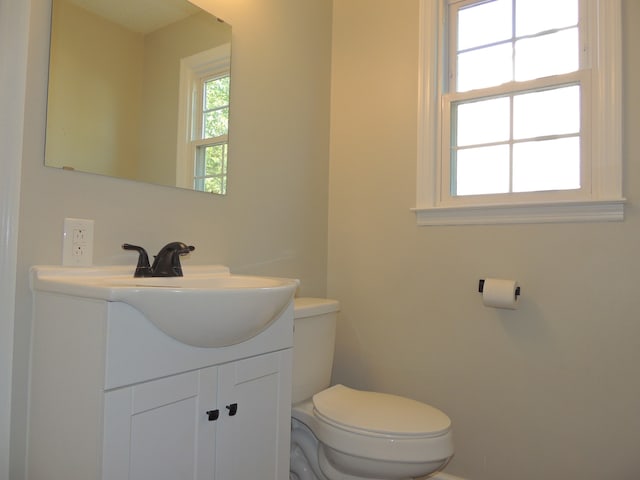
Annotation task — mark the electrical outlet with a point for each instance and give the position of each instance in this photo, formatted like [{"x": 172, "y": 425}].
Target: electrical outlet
[{"x": 77, "y": 242}]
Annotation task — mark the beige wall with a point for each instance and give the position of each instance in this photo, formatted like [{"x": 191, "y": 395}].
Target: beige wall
[
  {"x": 164, "y": 49},
  {"x": 274, "y": 218},
  {"x": 549, "y": 391},
  {"x": 93, "y": 98}
]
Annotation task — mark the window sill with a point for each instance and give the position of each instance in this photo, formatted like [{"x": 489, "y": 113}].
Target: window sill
[{"x": 556, "y": 212}]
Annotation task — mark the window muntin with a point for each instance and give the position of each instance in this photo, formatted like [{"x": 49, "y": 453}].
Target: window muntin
[
  {"x": 600, "y": 197},
  {"x": 203, "y": 120},
  {"x": 499, "y": 41},
  {"x": 514, "y": 96},
  {"x": 215, "y": 108},
  {"x": 211, "y": 168},
  {"x": 518, "y": 130},
  {"x": 211, "y": 142}
]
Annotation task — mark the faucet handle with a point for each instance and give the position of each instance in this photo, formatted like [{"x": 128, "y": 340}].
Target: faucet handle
[{"x": 143, "y": 268}]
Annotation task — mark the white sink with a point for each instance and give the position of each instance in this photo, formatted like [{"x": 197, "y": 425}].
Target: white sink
[{"x": 208, "y": 307}]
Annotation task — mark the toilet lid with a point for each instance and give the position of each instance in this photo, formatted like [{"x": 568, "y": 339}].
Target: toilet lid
[{"x": 379, "y": 412}]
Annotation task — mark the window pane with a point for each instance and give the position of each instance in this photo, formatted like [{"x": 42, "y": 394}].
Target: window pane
[
  {"x": 216, "y": 123},
  {"x": 216, "y": 93},
  {"x": 547, "y": 55},
  {"x": 481, "y": 171},
  {"x": 482, "y": 122},
  {"x": 211, "y": 168},
  {"x": 483, "y": 68},
  {"x": 215, "y": 160},
  {"x": 546, "y": 165},
  {"x": 549, "y": 112},
  {"x": 216, "y": 185},
  {"x": 484, "y": 23},
  {"x": 532, "y": 16}
]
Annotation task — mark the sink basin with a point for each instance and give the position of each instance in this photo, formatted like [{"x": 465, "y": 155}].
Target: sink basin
[{"x": 208, "y": 307}]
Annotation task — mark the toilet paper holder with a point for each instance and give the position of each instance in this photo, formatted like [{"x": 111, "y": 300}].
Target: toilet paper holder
[{"x": 481, "y": 287}]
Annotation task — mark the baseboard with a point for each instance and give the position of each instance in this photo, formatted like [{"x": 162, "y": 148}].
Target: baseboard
[{"x": 445, "y": 476}]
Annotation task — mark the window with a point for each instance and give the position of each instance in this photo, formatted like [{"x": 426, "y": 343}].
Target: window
[
  {"x": 210, "y": 144},
  {"x": 203, "y": 126},
  {"x": 520, "y": 111}
]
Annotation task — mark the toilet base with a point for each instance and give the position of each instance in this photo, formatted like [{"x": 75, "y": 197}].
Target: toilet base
[
  {"x": 359, "y": 468},
  {"x": 304, "y": 454},
  {"x": 311, "y": 460}
]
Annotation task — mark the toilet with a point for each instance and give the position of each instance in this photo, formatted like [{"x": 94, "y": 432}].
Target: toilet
[{"x": 339, "y": 433}]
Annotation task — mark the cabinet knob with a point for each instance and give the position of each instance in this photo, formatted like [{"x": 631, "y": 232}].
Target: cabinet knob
[
  {"x": 213, "y": 414},
  {"x": 233, "y": 409}
]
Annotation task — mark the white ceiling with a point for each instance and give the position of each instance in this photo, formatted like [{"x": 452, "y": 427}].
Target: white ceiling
[{"x": 142, "y": 16}]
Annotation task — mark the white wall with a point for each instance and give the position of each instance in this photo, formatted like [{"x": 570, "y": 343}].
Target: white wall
[
  {"x": 549, "y": 391},
  {"x": 274, "y": 219},
  {"x": 13, "y": 70}
]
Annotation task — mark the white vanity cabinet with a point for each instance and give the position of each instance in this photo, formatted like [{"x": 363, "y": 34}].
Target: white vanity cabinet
[
  {"x": 217, "y": 422},
  {"x": 114, "y": 398}
]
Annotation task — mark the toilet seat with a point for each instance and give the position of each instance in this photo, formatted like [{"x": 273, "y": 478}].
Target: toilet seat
[
  {"x": 371, "y": 413},
  {"x": 377, "y": 426}
]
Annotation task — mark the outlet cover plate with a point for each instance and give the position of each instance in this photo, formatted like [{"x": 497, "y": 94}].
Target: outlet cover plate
[{"x": 77, "y": 242}]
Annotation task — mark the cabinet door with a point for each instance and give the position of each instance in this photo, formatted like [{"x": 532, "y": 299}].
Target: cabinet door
[
  {"x": 159, "y": 430},
  {"x": 255, "y": 416}
]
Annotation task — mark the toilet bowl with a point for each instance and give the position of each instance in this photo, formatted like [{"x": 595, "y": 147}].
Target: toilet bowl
[{"x": 339, "y": 433}]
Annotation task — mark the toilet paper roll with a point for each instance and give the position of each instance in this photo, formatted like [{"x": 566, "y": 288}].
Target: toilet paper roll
[{"x": 499, "y": 293}]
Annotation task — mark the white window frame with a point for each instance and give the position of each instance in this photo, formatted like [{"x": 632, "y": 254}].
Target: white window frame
[
  {"x": 216, "y": 61},
  {"x": 602, "y": 200}
]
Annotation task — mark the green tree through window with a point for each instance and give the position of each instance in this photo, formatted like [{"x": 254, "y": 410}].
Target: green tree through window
[{"x": 212, "y": 148}]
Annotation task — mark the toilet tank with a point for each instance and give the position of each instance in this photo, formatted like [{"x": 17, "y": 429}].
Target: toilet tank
[{"x": 313, "y": 345}]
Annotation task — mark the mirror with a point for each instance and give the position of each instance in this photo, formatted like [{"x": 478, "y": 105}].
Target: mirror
[{"x": 139, "y": 89}]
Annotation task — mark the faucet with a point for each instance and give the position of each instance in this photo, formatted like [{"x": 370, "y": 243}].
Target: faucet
[{"x": 165, "y": 264}]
